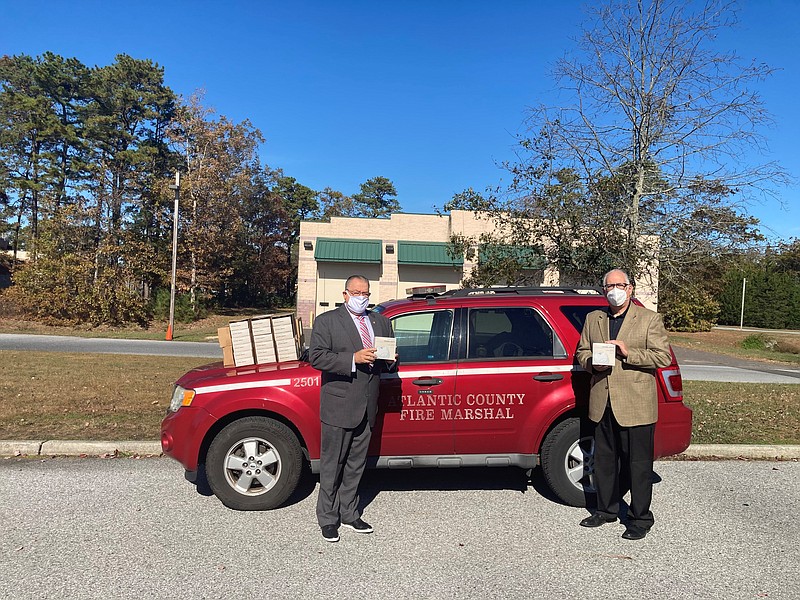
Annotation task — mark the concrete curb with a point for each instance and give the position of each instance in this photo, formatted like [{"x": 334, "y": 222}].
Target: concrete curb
[
  {"x": 743, "y": 451},
  {"x": 78, "y": 448},
  {"x": 153, "y": 448}
]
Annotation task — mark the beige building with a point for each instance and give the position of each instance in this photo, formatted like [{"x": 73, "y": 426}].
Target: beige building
[{"x": 395, "y": 254}]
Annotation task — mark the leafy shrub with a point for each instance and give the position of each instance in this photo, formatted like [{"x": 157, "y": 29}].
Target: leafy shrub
[
  {"x": 754, "y": 342},
  {"x": 65, "y": 290},
  {"x": 159, "y": 307},
  {"x": 9, "y": 304},
  {"x": 689, "y": 310}
]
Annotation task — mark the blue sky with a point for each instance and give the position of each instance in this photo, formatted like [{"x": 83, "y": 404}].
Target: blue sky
[{"x": 427, "y": 93}]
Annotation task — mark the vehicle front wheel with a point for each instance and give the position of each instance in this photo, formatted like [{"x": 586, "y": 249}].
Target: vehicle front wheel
[
  {"x": 568, "y": 462},
  {"x": 254, "y": 464}
]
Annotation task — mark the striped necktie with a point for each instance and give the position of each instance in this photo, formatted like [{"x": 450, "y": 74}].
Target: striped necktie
[{"x": 366, "y": 338}]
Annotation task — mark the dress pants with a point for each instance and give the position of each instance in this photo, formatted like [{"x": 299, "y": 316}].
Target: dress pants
[
  {"x": 343, "y": 456},
  {"x": 624, "y": 456}
]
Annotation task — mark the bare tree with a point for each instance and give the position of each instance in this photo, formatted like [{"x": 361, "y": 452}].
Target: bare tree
[{"x": 661, "y": 134}]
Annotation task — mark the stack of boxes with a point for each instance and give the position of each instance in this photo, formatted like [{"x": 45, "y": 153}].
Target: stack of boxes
[
  {"x": 241, "y": 345},
  {"x": 260, "y": 340},
  {"x": 263, "y": 340}
]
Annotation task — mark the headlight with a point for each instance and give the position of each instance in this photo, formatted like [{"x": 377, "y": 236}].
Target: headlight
[{"x": 180, "y": 397}]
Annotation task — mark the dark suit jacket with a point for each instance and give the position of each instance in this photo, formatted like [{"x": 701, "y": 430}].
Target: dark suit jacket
[
  {"x": 630, "y": 385},
  {"x": 346, "y": 396}
]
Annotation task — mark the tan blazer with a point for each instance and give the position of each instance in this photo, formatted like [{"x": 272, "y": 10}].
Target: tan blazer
[{"x": 630, "y": 385}]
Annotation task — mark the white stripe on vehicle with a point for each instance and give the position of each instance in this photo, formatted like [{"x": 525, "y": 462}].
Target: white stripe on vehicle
[
  {"x": 514, "y": 370},
  {"x": 480, "y": 371},
  {"x": 229, "y": 387}
]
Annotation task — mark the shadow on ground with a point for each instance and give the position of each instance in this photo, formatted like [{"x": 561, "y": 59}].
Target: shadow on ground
[
  {"x": 376, "y": 481},
  {"x": 474, "y": 478}
]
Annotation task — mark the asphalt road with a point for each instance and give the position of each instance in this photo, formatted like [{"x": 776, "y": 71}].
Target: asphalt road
[
  {"x": 706, "y": 366},
  {"x": 695, "y": 365},
  {"x": 126, "y": 528},
  {"x": 62, "y": 343}
]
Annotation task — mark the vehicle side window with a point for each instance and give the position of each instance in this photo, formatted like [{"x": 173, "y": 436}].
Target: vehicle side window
[
  {"x": 423, "y": 337},
  {"x": 511, "y": 332},
  {"x": 577, "y": 315}
]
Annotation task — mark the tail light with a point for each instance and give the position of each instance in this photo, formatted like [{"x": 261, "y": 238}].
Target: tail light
[{"x": 673, "y": 383}]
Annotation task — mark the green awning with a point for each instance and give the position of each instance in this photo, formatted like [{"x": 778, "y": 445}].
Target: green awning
[
  {"x": 432, "y": 254},
  {"x": 529, "y": 257},
  {"x": 355, "y": 251}
]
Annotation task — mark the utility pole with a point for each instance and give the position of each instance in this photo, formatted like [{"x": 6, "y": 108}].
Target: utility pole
[
  {"x": 741, "y": 317},
  {"x": 177, "y": 187}
]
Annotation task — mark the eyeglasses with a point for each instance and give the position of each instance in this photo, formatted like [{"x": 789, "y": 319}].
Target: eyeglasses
[
  {"x": 355, "y": 294},
  {"x": 619, "y": 286}
]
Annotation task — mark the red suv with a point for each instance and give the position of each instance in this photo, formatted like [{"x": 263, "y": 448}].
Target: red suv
[{"x": 487, "y": 378}]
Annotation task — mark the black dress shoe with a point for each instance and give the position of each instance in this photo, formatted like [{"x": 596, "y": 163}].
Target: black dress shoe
[
  {"x": 634, "y": 533},
  {"x": 330, "y": 533},
  {"x": 596, "y": 520},
  {"x": 359, "y": 526}
]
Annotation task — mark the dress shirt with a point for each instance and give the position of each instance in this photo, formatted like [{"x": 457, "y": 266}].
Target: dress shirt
[{"x": 356, "y": 322}]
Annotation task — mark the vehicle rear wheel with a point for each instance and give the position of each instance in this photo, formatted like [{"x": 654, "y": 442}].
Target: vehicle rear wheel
[
  {"x": 568, "y": 462},
  {"x": 254, "y": 464}
]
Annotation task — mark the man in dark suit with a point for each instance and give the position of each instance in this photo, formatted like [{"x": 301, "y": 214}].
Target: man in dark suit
[
  {"x": 623, "y": 401},
  {"x": 343, "y": 348}
]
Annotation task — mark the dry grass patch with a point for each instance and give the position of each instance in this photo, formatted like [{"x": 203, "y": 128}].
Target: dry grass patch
[
  {"x": 47, "y": 395},
  {"x": 744, "y": 413}
]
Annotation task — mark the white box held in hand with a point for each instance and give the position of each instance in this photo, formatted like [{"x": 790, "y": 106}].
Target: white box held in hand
[
  {"x": 386, "y": 347},
  {"x": 603, "y": 354}
]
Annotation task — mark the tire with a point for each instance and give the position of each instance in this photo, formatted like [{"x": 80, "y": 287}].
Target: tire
[
  {"x": 568, "y": 462},
  {"x": 254, "y": 464}
]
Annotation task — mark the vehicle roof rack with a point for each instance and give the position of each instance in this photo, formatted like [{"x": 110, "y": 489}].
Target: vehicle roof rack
[
  {"x": 431, "y": 294},
  {"x": 521, "y": 291}
]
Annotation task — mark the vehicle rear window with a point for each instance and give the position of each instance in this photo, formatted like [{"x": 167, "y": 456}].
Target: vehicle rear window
[
  {"x": 577, "y": 315},
  {"x": 511, "y": 332}
]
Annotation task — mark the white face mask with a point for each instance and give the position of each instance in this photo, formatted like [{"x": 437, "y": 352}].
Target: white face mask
[
  {"x": 357, "y": 304},
  {"x": 616, "y": 297}
]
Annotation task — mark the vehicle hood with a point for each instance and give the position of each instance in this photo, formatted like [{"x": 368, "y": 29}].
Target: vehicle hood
[{"x": 216, "y": 373}]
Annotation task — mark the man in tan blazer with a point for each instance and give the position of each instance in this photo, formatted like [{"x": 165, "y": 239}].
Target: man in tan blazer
[{"x": 623, "y": 402}]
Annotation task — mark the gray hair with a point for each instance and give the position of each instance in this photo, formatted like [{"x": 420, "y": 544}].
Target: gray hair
[
  {"x": 627, "y": 279},
  {"x": 352, "y": 277}
]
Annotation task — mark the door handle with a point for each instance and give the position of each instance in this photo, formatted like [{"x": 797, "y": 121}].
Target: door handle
[
  {"x": 549, "y": 377},
  {"x": 427, "y": 381}
]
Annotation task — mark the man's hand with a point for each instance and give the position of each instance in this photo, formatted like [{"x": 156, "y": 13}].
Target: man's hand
[
  {"x": 600, "y": 367},
  {"x": 622, "y": 349},
  {"x": 365, "y": 356}
]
